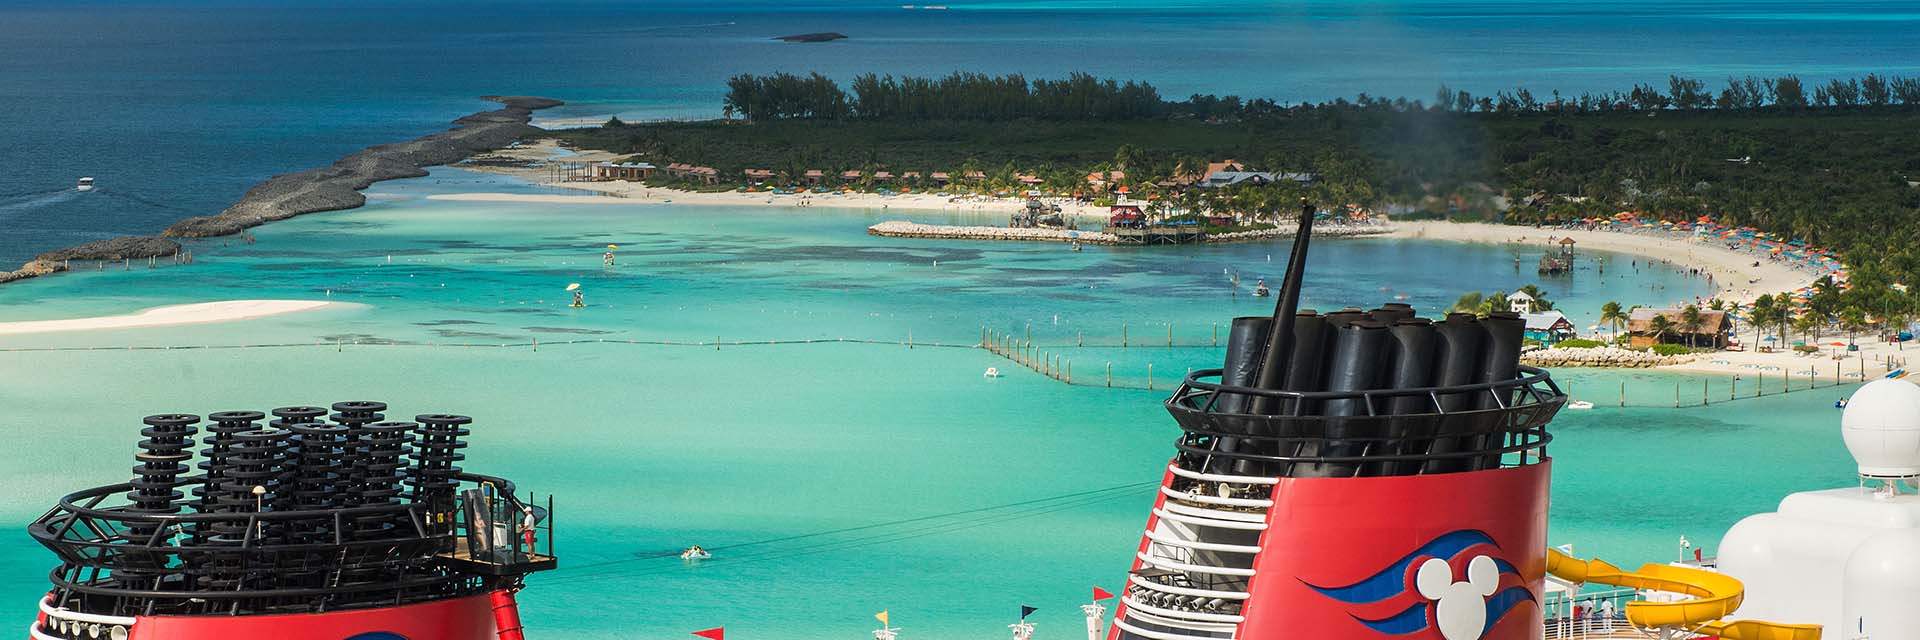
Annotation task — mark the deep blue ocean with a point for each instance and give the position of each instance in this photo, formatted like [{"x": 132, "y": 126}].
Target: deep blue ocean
[{"x": 177, "y": 108}]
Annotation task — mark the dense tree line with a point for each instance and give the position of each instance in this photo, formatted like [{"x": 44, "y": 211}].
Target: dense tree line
[
  {"x": 961, "y": 96},
  {"x": 1687, "y": 94},
  {"x": 1829, "y": 163}
]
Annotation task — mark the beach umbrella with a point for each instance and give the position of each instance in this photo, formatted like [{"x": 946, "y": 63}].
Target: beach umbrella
[
  {"x": 1768, "y": 339},
  {"x": 573, "y": 287},
  {"x": 612, "y": 247}
]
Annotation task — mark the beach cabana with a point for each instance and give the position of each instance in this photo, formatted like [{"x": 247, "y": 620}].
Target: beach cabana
[
  {"x": 1712, "y": 331},
  {"x": 1549, "y": 327}
]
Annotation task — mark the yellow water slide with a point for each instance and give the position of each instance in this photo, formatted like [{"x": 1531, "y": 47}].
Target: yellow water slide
[{"x": 1715, "y": 596}]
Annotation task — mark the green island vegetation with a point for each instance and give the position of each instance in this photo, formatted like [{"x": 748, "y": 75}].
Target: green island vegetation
[{"x": 1829, "y": 163}]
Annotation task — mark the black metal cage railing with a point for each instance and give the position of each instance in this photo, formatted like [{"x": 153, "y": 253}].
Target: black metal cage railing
[{"x": 1379, "y": 432}]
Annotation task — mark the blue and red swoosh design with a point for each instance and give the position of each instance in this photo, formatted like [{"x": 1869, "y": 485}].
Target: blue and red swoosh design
[{"x": 1391, "y": 591}]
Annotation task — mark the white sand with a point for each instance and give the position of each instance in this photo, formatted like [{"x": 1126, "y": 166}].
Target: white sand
[
  {"x": 619, "y": 192},
  {"x": 1734, "y": 274},
  {"x": 1870, "y": 362},
  {"x": 200, "y": 313}
]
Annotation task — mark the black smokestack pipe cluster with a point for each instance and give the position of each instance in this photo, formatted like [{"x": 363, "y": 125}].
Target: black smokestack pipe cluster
[{"x": 1355, "y": 351}]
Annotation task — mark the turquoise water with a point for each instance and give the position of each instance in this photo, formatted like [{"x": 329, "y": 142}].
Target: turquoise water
[
  {"x": 178, "y": 107},
  {"x": 650, "y": 448}
]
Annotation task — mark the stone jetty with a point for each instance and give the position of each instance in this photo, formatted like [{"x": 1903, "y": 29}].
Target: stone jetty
[
  {"x": 330, "y": 188},
  {"x": 1599, "y": 357},
  {"x": 122, "y": 248},
  {"x": 904, "y": 229},
  {"x": 338, "y": 186}
]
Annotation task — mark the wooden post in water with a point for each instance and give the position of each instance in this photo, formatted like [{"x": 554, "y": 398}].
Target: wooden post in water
[
  {"x": 1069, "y": 372},
  {"x": 1733, "y": 387},
  {"x": 1676, "y": 395},
  {"x": 1079, "y": 338},
  {"x": 1216, "y": 334},
  {"x": 1149, "y": 376},
  {"x": 1109, "y": 374},
  {"x": 1703, "y": 392},
  {"x": 1169, "y": 334},
  {"x": 1623, "y": 393},
  {"x": 1123, "y": 335}
]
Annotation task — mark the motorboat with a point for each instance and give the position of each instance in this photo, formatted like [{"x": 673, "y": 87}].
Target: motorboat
[
  {"x": 695, "y": 553},
  {"x": 993, "y": 372},
  {"x": 1580, "y": 404},
  {"x": 86, "y": 184}
]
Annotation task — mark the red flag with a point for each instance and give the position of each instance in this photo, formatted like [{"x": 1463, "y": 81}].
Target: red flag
[
  {"x": 716, "y": 633},
  {"x": 1101, "y": 594}
]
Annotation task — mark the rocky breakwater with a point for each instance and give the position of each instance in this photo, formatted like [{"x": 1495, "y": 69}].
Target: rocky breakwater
[
  {"x": 330, "y": 188},
  {"x": 123, "y": 248},
  {"x": 338, "y": 186},
  {"x": 1600, "y": 357},
  {"x": 1286, "y": 230},
  {"x": 903, "y": 229}
]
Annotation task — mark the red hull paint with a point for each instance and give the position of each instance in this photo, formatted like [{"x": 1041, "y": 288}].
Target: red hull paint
[
  {"x": 468, "y": 618},
  {"x": 506, "y": 615},
  {"x": 1337, "y": 532},
  {"x": 1159, "y": 500}
]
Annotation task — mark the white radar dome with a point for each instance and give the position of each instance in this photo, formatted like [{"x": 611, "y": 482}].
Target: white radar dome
[{"x": 1881, "y": 426}]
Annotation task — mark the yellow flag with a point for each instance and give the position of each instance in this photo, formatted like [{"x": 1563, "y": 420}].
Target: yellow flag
[{"x": 882, "y": 617}]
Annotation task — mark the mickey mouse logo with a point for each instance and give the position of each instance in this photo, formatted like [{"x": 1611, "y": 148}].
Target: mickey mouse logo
[
  {"x": 1460, "y": 608},
  {"x": 1416, "y": 594}
]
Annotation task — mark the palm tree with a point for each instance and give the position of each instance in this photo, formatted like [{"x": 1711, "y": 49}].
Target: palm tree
[
  {"x": 1492, "y": 303},
  {"x": 1805, "y": 324},
  {"x": 1763, "y": 316},
  {"x": 1660, "y": 326},
  {"x": 1690, "y": 322},
  {"x": 1855, "y": 321},
  {"x": 1469, "y": 302},
  {"x": 1539, "y": 299},
  {"x": 1613, "y": 317}
]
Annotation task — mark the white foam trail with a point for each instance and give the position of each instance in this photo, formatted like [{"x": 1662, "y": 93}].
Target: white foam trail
[{"x": 37, "y": 201}]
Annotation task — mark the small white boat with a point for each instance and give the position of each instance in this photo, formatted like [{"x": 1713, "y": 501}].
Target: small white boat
[
  {"x": 1580, "y": 404},
  {"x": 993, "y": 372},
  {"x": 695, "y": 553},
  {"x": 86, "y": 184}
]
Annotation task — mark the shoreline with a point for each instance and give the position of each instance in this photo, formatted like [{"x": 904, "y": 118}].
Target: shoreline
[
  {"x": 1735, "y": 278},
  {"x": 172, "y": 315},
  {"x": 905, "y": 229},
  {"x": 332, "y": 188}
]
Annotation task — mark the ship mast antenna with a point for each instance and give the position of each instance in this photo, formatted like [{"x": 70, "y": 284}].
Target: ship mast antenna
[{"x": 1273, "y": 366}]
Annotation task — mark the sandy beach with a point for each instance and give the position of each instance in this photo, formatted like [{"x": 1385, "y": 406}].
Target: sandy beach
[
  {"x": 181, "y": 314},
  {"x": 547, "y": 150},
  {"x": 1736, "y": 277}
]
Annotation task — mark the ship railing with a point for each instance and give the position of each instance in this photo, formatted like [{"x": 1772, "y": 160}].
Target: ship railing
[
  {"x": 1379, "y": 432},
  {"x": 1531, "y": 386},
  {"x": 501, "y": 543},
  {"x": 122, "y": 560},
  {"x": 1146, "y": 625},
  {"x": 1176, "y": 513},
  {"x": 1180, "y": 598}
]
